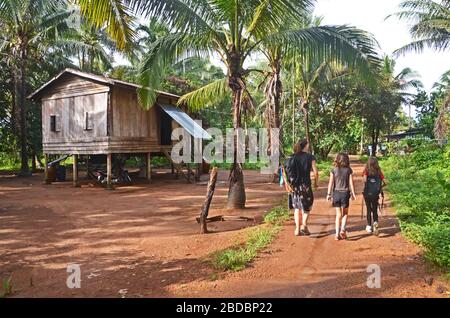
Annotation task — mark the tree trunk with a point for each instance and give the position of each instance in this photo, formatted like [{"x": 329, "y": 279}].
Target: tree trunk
[
  {"x": 24, "y": 168},
  {"x": 236, "y": 192},
  {"x": 375, "y": 136},
  {"x": 207, "y": 203},
  {"x": 273, "y": 93},
  {"x": 305, "y": 110}
]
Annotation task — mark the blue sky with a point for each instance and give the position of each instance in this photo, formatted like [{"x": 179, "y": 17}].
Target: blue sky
[{"x": 370, "y": 16}]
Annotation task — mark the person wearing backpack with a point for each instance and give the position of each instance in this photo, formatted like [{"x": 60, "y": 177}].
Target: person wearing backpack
[
  {"x": 340, "y": 189},
  {"x": 374, "y": 182},
  {"x": 298, "y": 173}
]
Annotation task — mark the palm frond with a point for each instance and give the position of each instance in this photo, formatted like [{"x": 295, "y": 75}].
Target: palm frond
[
  {"x": 207, "y": 95},
  {"x": 112, "y": 14},
  {"x": 345, "y": 45},
  {"x": 164, "y": 52}
]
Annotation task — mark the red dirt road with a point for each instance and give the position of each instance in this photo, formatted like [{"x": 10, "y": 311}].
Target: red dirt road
[
  {"x": 318, "y": 266},
  {"x": 142, "y": 241},
  {"x": 137, "y": 239}
]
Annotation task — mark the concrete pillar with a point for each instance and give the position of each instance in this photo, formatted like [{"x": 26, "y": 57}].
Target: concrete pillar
[{"x": 75, "y": 171}]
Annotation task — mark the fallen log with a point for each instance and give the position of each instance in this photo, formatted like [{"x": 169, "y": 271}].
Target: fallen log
[
  {"x": 221, "y": 218},
  {"x": 209, "y": 195}
]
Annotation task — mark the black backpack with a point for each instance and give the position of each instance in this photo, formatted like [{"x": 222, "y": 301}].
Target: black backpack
[{"x": 372, "y": 188}]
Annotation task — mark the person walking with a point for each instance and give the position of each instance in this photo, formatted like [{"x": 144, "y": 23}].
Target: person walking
[
  {"x": 374, "y": 182},
  {"x": 340, "y": 189},
  {"x": 298, "y": 170}
]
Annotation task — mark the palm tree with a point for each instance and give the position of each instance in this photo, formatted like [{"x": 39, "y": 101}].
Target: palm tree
[
  {"x": 442, "y": 125},
  {"x": 319, "y": 46},
  {"x": 27, "y": 28},
  {"x": 91, "y": 47},
  {"x": 405, "y": 83},
  {"x": 233, "y": 30},
  {"x": 431, "y": 24}
]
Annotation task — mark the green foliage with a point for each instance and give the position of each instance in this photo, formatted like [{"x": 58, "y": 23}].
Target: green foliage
[
  {"x": 237, "y": 258},
  {"x": 277, "y": 215},
  {"x": 419, "y": 188},
  {"x": 7, "y": 288}
]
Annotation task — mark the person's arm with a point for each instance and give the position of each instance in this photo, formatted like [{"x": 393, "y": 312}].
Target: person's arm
[
  {"x": 352, "y": 187},
  {"x": 330, "y": 187},
  {"x": 316, "y": 174}
]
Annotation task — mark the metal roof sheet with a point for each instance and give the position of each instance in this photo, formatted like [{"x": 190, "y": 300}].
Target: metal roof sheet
[{"x": 194, "y": 129}]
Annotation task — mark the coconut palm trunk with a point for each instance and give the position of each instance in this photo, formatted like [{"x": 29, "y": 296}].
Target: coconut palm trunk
[
  {"x": 305, "y": 109},
  {"x": 236, "y": 193},
  {"x": 273, "y": 95},
  {"x": 24, "y": 167}
]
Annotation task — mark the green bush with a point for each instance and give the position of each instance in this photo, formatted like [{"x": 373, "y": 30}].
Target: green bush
[{"x": 419, "y": 189}]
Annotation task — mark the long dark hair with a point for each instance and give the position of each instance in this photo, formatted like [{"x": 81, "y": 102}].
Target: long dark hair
[
  {"x": 372, "y": 167},
  {"x": 300, "y": 146},
  {"x": 342, "y": 160}
]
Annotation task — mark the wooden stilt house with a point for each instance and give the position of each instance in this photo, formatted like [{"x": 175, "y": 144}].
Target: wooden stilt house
[{"x": 87, "y": 114}]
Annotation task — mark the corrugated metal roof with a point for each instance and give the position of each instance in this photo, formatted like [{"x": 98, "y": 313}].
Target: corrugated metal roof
[{"x": 194, "y": 129}]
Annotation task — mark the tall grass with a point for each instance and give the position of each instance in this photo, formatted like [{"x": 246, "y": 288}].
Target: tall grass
[
  {"x": 419, "y": 189},
  {"x": 238, "y": 257}
]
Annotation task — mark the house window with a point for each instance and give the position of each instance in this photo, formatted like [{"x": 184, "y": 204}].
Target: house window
[
  {"x": 55, "y": 123},
  {"x": 88, "y": 120}
]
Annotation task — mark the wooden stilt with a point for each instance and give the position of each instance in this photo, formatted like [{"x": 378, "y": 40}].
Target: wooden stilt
[
  {"x": 46, "y": 179},
  {"x": 198, "y": 171},
  {"x": 87, "y": 167},
  {"x": 109, "y": 185},
  {"x": 207, "y": 204},
  {"x": 189, "y": 172},
  {"x": 149, "y": 167},
  {"x": 75, "y": 171}
]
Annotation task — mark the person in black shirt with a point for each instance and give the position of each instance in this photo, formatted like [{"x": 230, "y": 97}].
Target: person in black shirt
[{"x": 302, "y": 197}]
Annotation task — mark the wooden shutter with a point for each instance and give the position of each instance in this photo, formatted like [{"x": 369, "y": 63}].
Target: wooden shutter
[
  {"x": 57, "y": 123},
  {"x": 89, "y": 122},
  {"x": 52, "y": 123}
]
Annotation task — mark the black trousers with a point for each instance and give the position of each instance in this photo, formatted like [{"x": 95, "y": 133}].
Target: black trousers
[{"x": 372, "y": 210}]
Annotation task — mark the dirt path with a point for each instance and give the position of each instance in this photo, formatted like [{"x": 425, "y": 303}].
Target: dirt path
[
  {"x": 318, "y": 266},
  {"x": 142, "y": 241}
]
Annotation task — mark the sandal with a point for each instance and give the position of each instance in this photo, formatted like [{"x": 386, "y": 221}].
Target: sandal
[
  {"x": 337, "y": 238},
  {"x": 343, "y": 235}
]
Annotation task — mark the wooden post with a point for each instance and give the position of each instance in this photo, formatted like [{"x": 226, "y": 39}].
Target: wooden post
[
  {"x": 46, "y": 179},
  {"x": 87, "y": 167},
  {"x": 189, "y": 172},
  {"x": 75, "y": 171},
  {"x": 207, "y": 203},
  {"x": 198, "y": 172},
  {"x": 109, "y": 185},
  {"x": 149, "y": 167},
  {"x": 173, "y": 168}
]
